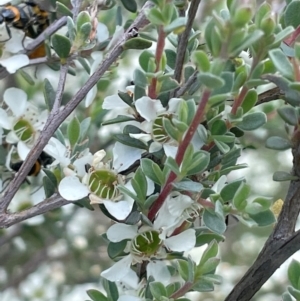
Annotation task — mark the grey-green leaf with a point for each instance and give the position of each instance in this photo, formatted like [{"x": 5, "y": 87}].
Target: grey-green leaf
[
  {"x": 278, "y": 143},
  {"x": 253, "y": 121}
]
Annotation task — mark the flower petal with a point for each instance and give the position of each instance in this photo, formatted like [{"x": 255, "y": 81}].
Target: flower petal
[
  {"x": 125, "y": 156},
  {"x": 184, "y": 241},
  {"x": 5, "y": 121},
  {"x": 170, "y": 150},
  {"x": 120, "y": 210},
  {"x": 16, "y": 99},
  {"x": 90, "y": 96},
  {"x": 119, "y": 232},
  {"x": 114, "y": 102},
  {"x": 71, "y": 189},
  {"x": 159, "y": 271},
  {"x": 119, "y": 270},
  {"x": 15, "y": 62},
  {"x": 23, "y": 150},
  {"x": 149, "y": 108}
]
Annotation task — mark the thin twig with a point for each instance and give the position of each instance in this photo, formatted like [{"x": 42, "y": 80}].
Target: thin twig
[
  {"x": 187, "y": 84},
  {"x": 9, "y": 219},
  {"x": 183, "y": 40}
]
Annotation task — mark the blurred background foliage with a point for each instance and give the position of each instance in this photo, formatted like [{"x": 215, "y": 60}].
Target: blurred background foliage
[{"x": 59, "y": 255}]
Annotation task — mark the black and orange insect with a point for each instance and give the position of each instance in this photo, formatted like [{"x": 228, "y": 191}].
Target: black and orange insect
[
  {"x": 28, "y": 17},
  {"x": 43, "y": 160}
]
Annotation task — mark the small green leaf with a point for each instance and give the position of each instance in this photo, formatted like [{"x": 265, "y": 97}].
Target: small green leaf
[
  {"x": 155, "y": 16},
  {"x": 203, "y": 285},
  {"x": 137, "y": 43},
  {"x": 84, "y": 127},
  {"x": 291, "y": 14},
  {"x": 201, "y": 60},
  {"x": 84, "y": 33},
  {"x": 177, "y": 26},
  {"x": 82, "y": 18},
  {"x": 210, "y": 252},
  {"x": 286, "y": 297},
  {"x": 127, "y": 140},
  {"x": 200, "y": 162},
  {"x": 152, "y": 171},
  {"x": 26, "y": 76},
  {"x": 139, "y": 184},
  {"x": 49, "y": 94},
  {"x": 240, "y": 197},
  {"x": 183, "y": 268},
  {"x": 111, "y": 289},
  {"x": 144, "y": 59},
  {"x": 280, "y": 176},
  {"x": 213, "y": 222},
  {"x": 61, "y": 46},
  {"x": 223, "y": 147},
  {"x": 73, "y": 131},
  {"x": 171, "y": 130},
  {"x": 209, "y": 266},
  {"x": 294, "y": 292},
  {"x": 51, "y": 176},
  {"x": 96, "y": 295},
  {"x": 171, "y": 164},
  {"x": 188, "y": 185},
  {"x": 249, "y": 40},
  {"x": 249, "y": 101},
  {"x": 139, "y": 78},
  {"x": 278, "y": 143},
  {"x": 206, "y": 238},
  {"x": 158, "y": 290},
  {"x": 253, "y": 121},
  {"x": 63, "y": 10},
  {"x": 49, "y": 187},
  {"x": 126, "y": 97},
  {"x": 281, "y": 63},
  {"x": 116, "y": 249},
  {"x": 294, "y": 273},
  {"x": 264, "y": 218},
  {"x": 218, "y": 127},
  {"x": 168, "y": 84},
  {"x": 130, "y": 5},
  {"x": 118, "y": 119},
  {"x": 288, "y": 114},
  {"x": 210, "y": 80}
]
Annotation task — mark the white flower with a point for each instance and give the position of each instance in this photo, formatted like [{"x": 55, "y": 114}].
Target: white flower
[
  {"x": 100, "y": 183},
  {"x": 144, "y": 244},
  {"x": 176, "y": 209},
  {"x": 153, "y": 111},
  {"x": 22, "y": 119}
]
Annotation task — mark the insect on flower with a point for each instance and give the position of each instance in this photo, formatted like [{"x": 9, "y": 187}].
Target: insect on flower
[
  {"x": 43, "y": 160},
  {"x": 28, "y": 17}
]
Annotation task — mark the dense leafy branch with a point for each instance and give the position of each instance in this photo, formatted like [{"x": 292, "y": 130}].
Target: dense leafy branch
[{"x": 57, "y": 117}]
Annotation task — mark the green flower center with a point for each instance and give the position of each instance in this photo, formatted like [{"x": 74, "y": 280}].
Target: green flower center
[
  {"x": 103, "y": 183},
  {"x": 24, "y": 130},
  {"x": 146, "y": 244},
  {"x": 158, "y": 131}
]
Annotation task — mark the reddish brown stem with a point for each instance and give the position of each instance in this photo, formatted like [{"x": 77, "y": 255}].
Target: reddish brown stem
[
  {"x": 239, "y": 100},
  {"x": 296, "y": 69},
  {"x": 180, "y": 153},
  {"x": 292, "y": 38},
  {"x": 158, "y": 55}
]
